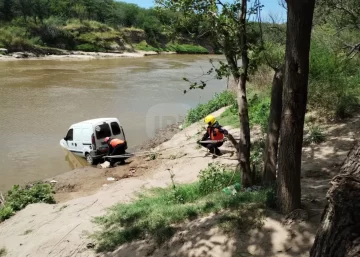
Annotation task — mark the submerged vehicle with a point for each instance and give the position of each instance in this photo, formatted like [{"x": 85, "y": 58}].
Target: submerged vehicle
[{"x": 86, "y": 138}]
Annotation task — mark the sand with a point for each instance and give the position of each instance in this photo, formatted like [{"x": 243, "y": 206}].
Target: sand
[{"x": 62, "y": 229}]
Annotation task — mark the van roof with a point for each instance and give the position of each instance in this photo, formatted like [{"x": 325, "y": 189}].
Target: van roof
[{"x": 95, "y": 121}]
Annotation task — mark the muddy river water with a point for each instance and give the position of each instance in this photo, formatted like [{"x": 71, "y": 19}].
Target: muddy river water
[{"x": 40, "y": 99}]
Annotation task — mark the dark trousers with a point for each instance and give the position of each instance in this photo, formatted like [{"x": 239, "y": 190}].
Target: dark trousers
[
  {"x": 119, "y": 150},
  {"x": 213, "y": 147}
]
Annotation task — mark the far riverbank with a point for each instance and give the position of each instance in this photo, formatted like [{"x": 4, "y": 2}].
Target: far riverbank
[{"x": 77, "y": 55}]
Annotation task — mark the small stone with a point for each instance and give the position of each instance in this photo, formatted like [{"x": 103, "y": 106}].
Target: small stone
[{"x": 90, "y": 245}]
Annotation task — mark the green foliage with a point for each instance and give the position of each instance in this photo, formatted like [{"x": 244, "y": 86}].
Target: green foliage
[
  {"x": 186, "y": 49},
  {"x": 178, "y": 48},
  {"x": 154, "y": 212},
  {"x": 256, "y": 158},
  {"x": 6, "y": 212},
  {"x": 315, "y": 135},
  {"x": 3, "y": 252},
  {"x": 334, "y": 81},
  {"x": 144, "y": 46},
  {"x": 259, "y": 108},
  {"x": 19, "y": 197},
  {"x": 214, "y": 178},
  {"x": 223, "y": 99},
  {"x": 66, "y": 24},
  {"x": 273, "y": 54},
  {"x": 15, "y": 39},
  {"x": 271, "y": 197},
  {"x": 89, "y": 48}
]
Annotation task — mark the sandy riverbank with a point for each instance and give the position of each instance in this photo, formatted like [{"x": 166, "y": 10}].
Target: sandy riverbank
[
  {"x": 77, "y": 55},
  {"x": 62, "y": 229}
]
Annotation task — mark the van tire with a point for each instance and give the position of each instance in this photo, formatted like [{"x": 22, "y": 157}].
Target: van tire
[{"x": 89, "y": 159}]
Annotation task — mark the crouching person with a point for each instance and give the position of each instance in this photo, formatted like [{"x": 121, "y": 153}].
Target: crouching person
[
  {"x": 116, "y": 147},
  {"x": 214, "y": 132}
]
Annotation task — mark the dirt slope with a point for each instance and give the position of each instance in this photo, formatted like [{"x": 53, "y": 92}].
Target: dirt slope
[{"x": 61, "y": 230}]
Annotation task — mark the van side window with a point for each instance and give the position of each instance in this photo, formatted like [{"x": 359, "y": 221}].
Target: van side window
[
  {"x": 115, "y": 128},
  {"x": 69, "y": 135},
  {"x": 103, "y": 131}
]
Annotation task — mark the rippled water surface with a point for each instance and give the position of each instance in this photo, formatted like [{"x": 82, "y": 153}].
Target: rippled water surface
[{"x": 40, "y": 99}]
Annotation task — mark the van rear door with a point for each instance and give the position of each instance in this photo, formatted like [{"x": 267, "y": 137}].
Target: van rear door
[
  {"x": 117, "y": 131},
  {"x": 101, "y": 132}
]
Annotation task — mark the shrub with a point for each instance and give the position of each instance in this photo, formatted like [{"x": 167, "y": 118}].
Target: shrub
[
  {"x": 15, "y": 39},
  {"x": 214, "y": 178},
  {"x": 53, "y": 35},
  {"x": 334, "y": 81},
  {"x": 223, "y": 99},
  {"x": 19, "y": 197},
  {"x": 258, "y": 107},
  {"x": 3, "y": 252},
  {"x": 186, "y": 49},
  {"x": 144, "y": 46},
  {"x": 89, "y": 48},
  {"x": 315, "y": 135}
]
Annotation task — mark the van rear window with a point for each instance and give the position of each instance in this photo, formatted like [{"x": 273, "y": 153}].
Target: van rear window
[
  {"x": 115, "y": 128},
  {"x": 103, "y": 131}
]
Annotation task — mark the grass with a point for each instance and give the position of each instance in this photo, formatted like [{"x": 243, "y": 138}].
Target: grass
[
  {"x": 226, "y": 98},
  {"x": 315, "y": 135},
  {"x": 259, "y": 108},
  {"x": 171, "y": 47},
  {"x": 19, "y": 197},
  {"x": 186, "y": 49},
  {"x": 3, "y": 252},
  {"x": 155, "y": 212},
  {"x": 144, "y": 46},
  {"x": 334, "y": 81}
]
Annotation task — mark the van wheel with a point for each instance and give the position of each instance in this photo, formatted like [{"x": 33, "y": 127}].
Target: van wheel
[{"x": 89, "y": 159}]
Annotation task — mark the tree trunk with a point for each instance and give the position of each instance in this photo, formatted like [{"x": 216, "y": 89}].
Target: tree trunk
[
  {"x": 247, "y": 177},
  {"x": 272, "y": 137},
  {"x": 339, "y": 232},
  {"x": 298, "y": 34}
]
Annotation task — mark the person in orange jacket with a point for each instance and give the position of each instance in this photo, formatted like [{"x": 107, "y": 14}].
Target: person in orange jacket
[
  {"x": 214, "y": 132},
  {"x": 116, "y": 146}
]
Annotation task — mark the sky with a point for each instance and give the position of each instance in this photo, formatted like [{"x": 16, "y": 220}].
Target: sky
[{"x": 271, "y": 7}]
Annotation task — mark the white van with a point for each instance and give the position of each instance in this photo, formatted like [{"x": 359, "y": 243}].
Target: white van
[{"x": 86, "y": 138}]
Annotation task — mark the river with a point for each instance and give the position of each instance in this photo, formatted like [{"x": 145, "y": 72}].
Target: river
[{"x": 40, "y": 99}]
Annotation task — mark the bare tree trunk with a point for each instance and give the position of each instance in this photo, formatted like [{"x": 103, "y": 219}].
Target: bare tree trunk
[
  {"x": 272, "y": 137},
  {"x": 298, "y": 34},
  {"x": 244, "y": 144},
  {"x": 339, "y": 232}
]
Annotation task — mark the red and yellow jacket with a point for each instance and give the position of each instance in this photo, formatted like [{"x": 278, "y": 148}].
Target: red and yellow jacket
[{"x": 215, "y": 132}]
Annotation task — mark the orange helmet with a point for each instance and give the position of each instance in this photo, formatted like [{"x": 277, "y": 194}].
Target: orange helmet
[{"x": 106, "y": 139}]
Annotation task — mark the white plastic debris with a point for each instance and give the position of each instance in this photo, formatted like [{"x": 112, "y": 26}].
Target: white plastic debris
[
  {"x": 53, "y": 181},
  {"x": 111, "y": 179},
  {"x": 105, "y": 165}
]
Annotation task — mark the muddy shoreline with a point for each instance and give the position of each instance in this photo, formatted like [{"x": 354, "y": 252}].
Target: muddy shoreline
[{"x": 89, "y": 179}]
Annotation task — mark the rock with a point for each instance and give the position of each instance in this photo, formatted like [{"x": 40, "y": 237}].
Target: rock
[
  {"x": 23, "y": 55},
  {"x": 90, "y": 245}
]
